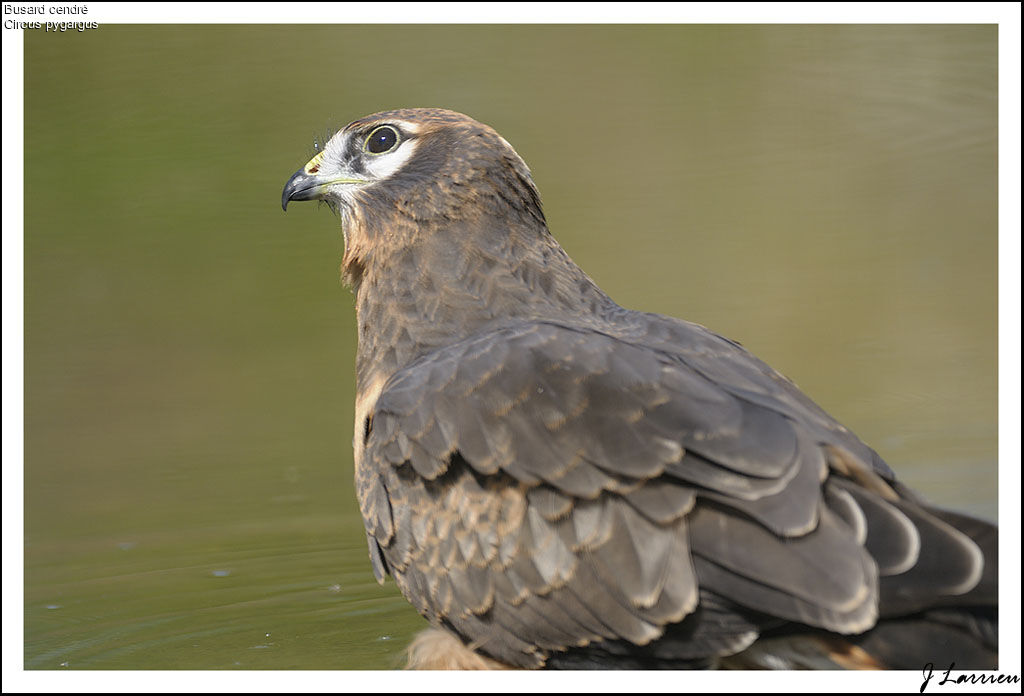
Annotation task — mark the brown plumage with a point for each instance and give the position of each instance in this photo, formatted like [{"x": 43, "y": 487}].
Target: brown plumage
[{"x": 555, "y": 481}]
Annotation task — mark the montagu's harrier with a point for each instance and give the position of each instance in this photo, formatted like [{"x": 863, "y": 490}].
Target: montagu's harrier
[{"x": 555, "y": 481}]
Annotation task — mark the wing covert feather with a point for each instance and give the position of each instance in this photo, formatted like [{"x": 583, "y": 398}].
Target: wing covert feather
[{"x": 540, "y": 487}]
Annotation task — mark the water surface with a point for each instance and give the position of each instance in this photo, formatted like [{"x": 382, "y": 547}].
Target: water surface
[{"x": 824, "y": 194}]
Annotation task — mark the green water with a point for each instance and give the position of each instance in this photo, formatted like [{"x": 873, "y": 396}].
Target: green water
[{"x": 824, "y": 194}]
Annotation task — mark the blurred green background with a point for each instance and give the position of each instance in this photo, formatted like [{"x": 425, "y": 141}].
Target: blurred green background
[{"x": 824, "y": 194}]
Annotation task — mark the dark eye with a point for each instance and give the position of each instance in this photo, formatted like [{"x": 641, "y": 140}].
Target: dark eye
[{"x": 381, "y": 140}]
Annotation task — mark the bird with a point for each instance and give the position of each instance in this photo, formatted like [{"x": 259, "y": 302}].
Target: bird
[{"x": 555, "y": 481}]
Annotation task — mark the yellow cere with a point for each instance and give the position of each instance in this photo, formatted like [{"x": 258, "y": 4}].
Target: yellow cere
[{"x": 314, "y": 164}]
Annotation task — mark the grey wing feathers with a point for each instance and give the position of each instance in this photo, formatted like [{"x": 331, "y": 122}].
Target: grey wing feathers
[{"x": 542, "y": 488}]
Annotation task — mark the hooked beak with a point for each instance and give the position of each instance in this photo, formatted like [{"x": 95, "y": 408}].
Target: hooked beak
[
  {"x": 303, "y": 186},
  {"x": 306, "y": 184},
  {"x": 311, "y": 184}
]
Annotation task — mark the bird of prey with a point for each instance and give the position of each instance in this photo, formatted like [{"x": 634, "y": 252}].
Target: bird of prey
[{"x": 555, "y": 481}]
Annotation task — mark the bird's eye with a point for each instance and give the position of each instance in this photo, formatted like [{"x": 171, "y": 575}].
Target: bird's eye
[{"x": 381, "y": 140}]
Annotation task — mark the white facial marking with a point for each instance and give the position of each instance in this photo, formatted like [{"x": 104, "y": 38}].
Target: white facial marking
[
  {"x": 384, "y": 165},
  {"x": 377, "y": 167},
  {"x": 335, "y": 147}
]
